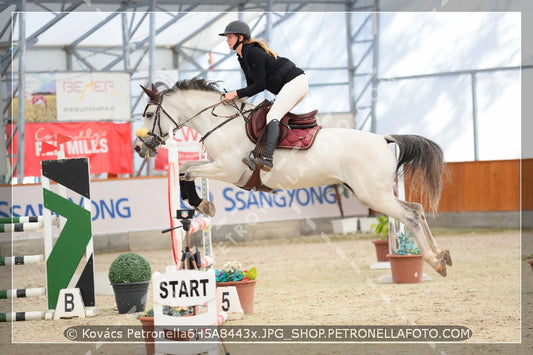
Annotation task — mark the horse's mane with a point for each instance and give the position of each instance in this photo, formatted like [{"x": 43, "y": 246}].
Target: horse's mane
[{"x": 194, "y": 84}]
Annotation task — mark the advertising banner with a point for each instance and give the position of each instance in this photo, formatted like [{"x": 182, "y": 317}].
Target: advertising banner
[
  {"x": 141, "y": 204},
  {"x": 108, "y": 145},
  {"x": 74, "y": 96},
  {"x": 93, "y": 96},
  {"x": 189, "y": 148}
]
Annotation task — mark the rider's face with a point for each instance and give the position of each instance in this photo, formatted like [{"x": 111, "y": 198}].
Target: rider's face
[{"x": 231, "y": 39}]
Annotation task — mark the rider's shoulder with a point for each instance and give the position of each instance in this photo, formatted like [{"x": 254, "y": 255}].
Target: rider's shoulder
[{"x": 252, "y": 49}]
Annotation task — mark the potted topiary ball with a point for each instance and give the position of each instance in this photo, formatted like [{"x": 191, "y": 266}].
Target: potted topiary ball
[{"x": 130, "y": 275}]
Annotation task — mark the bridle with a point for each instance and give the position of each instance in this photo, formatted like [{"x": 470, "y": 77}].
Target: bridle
[{"x": 158, "y": 139}]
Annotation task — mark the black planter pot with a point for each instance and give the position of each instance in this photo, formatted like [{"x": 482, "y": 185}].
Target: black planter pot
[{"x": 131, "y": 296}]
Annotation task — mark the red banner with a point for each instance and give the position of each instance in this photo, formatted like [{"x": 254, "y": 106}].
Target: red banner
[{"x": 108, "y": 145}]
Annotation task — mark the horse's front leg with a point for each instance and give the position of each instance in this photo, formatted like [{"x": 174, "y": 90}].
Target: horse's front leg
[
  {"x": 210, "y": 170},
  {"x": 188, "y": 189},
  {"x": 190, "y": 163}
]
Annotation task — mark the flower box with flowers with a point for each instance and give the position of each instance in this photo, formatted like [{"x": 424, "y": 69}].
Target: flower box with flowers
[
  {"x": 244, "y": 281},
  {"x": 406, "y": 262},
  {"x": 147, "y": 320}
]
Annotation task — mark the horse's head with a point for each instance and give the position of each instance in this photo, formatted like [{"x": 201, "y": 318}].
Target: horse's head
[
  {"x": 153, "y": 133},
  {"x": 158, "y": 122}
]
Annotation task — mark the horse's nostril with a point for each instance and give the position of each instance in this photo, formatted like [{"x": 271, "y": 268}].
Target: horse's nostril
[{"x": 137, "y": 148}]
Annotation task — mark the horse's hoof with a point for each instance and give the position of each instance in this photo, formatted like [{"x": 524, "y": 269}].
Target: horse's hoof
[
  {"x": 207, "y": 207},
  {"x": 445, "y": 255},
  {"x": 441, "y": 269}
]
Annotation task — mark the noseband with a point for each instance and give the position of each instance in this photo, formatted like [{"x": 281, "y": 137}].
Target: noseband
[{"x": 157, "y": 139}]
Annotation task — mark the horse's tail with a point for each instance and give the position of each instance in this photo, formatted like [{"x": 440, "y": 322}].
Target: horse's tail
[{"x": 423, "y": 164}]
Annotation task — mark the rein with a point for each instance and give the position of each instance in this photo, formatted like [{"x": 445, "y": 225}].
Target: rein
[{"x": 229, "y": 118}]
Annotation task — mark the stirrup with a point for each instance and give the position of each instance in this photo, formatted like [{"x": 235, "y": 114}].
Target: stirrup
[
  {"x": 248, "y": 161},
  {"x": 265, "y": 164}
]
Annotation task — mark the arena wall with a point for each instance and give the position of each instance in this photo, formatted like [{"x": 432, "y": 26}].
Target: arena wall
[{"x": 484, "y": 194}]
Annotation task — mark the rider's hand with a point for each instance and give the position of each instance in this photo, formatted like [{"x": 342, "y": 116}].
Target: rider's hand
[{"x": 230, "y": 96}]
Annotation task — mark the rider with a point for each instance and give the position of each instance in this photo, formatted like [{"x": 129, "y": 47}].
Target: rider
[{"x": 265, "y": 70}]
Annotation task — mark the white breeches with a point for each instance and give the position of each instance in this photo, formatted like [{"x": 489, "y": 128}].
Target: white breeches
[{"x": 290, "y": 95}]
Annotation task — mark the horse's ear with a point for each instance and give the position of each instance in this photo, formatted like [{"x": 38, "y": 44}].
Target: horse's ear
[{"x": 152, "y": 94}]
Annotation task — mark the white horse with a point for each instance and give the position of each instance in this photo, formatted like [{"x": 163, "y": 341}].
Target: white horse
[{"x": 362, "y": 161}]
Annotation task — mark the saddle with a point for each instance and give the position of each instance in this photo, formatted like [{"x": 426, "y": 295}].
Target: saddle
[{"x": 297, "y": 131}]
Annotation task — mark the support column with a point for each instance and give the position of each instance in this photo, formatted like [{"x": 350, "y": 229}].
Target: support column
[{"x": 19, "y": 168}]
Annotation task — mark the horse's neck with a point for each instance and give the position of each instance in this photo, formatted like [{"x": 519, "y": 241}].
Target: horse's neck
[{"x": 196, "y": 102}]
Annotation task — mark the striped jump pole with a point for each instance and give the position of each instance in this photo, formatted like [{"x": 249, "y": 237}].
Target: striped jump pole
[
  {"x": 21, "y": 260},
  {"x": 22, "y": 293},
  {"x": 26, "y": 219},
  {"x": 22, "y": 316},
  {"x": 20, "y": 227},
  {"x": 22, "y": 219},
  {"x": 24, "y": 224}
]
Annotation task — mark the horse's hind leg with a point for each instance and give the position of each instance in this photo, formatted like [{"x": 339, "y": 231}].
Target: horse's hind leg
[
  {"x": 442, "y": 254},
  {"x": 413, "y": 218}
]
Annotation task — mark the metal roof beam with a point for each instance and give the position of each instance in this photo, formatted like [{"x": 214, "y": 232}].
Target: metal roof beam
[
  {"x": 147, "y": 40},
  {"x": 231, "y": 55},
  {"x": 95, "y": 28},
  {"x": 81, "y": 59},
  {"x": 201, "y": 29},
  {"x": 6, "y": 59}
]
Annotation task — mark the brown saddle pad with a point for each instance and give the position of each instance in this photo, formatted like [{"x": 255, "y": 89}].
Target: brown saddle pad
[{"x": 296, "y": 130}]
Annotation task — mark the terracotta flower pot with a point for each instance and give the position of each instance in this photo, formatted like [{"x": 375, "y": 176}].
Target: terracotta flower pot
[
  {"x": 406, "y": 268},
  {"x": 149, "y": 343},
  {"x": 148, "y": 327},
  {"x": 246, "y": 292},
  {"x": 382, "y": 249}
]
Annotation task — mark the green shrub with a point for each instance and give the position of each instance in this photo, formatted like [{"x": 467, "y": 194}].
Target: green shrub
[
  {"x": 382, "y": 227},
  {"x": 251, "y": 274},
  {"x": 129, "y": 267}
]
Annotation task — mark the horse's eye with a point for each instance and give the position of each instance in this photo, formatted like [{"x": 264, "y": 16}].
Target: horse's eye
[{"x": 149, "y": 114}]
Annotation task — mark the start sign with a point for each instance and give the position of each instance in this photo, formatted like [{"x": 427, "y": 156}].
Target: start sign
[
  {"x": 178, "y": 288},
  {"x": 183, "y": 288}
]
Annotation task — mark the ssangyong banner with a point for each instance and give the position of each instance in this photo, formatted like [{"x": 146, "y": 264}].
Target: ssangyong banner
[
  {"x": 108, "y": 145},
  {"x": 141, "y": 204},
  {"x": 93, "y": 96}
]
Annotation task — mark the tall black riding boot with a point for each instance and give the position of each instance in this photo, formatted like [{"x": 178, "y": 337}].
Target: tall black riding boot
[{"x": 271, "y": 142}]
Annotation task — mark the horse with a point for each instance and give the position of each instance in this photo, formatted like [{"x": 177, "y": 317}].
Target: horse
[
  {"x": 39, "y": 100},
  {"x": 362, "y": 161}
]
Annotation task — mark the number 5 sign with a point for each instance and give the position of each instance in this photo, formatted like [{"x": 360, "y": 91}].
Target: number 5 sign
[{"x": 228, "y": 301}]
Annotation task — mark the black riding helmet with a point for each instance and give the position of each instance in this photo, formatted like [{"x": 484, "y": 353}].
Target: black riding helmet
[{"x": 238, "y": 28}]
